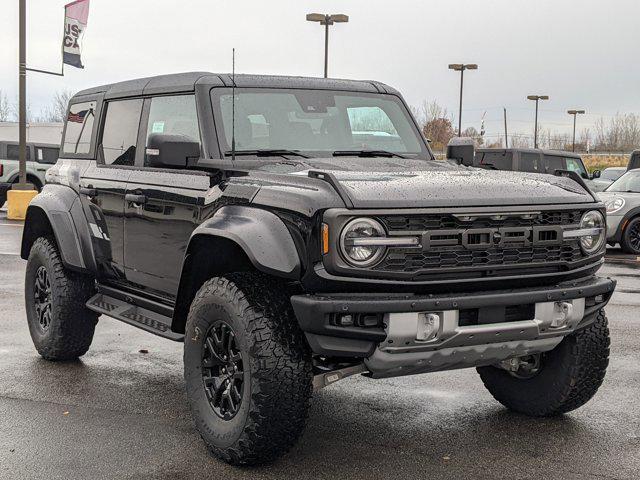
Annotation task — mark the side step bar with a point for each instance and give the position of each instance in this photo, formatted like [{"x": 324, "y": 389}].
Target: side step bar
[{"x": 128, "y": 312}]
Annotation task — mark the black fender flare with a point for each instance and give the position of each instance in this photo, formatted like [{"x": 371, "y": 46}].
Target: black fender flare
[
  {"x": 261, "y": 234},
  {"x": 60, "y": 206}
]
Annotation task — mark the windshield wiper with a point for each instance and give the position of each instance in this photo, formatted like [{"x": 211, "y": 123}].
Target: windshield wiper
[
  {"x": 273, "y": 152},
  {"x": 366, "y": 153}
]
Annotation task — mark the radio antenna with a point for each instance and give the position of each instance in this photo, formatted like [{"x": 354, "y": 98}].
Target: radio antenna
[{"x": 233, "y": 105}]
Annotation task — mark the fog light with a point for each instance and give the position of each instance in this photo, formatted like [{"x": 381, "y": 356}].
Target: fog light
[
  {"x": 428, "y": 326},
  {"x": 561, "y": 314},
  {"x": 345, "y": 320}
]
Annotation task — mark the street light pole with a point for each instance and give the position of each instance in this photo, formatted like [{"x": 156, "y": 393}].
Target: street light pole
[
  {"x": 326, "y": 20},
  {"x": 22, "y": 95},
  {"x": 575, "y": 113},
  {"x": 461, "y": 67},
  {"x": 537, "y": 98}
]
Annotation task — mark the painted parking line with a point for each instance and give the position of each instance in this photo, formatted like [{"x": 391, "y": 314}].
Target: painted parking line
[{"x": 11, "y": 225}]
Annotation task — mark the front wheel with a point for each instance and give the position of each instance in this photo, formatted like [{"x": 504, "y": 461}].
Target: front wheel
[
  {"x": 558, "y": 381},
  {"x": 630, "y": 241},
  {"x": 60, "y": 324},
  {"x": 248, "y": 369}
]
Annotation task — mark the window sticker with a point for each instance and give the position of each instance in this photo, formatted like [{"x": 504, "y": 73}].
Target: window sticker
[{"x": 158, "y": 127}]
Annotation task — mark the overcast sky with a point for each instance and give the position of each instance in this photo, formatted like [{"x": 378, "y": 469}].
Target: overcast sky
[{"x": 582, "y": 54}]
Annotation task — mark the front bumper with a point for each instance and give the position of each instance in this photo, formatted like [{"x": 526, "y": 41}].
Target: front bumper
[
  {"x": 614, "y": 230},
  {"x": 392, "y": 348}
]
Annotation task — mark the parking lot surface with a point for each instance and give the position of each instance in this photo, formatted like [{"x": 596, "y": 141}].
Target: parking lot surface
[{"x": 122, "y": 413}]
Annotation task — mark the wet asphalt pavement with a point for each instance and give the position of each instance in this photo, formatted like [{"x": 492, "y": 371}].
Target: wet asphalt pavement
[{"x": 119, "y": 413}]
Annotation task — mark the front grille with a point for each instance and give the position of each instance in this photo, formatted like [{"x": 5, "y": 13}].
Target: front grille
[
  {"x": 398, "y": 260},
  {"x": 445, "y": 257},
  {"x": 449, "y": 221}
]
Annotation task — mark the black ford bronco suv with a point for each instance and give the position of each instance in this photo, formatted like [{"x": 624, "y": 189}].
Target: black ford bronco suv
[{"x": 295, "y": 231}]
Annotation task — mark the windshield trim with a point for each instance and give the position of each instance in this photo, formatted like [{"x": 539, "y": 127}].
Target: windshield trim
[{"x": 425, "y": 153}]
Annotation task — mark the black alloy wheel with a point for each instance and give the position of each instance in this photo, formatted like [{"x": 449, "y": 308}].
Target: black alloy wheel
[
  {"x": 42, "y": 298},
  {"x": 633, "y": 235},
  {"x": 222, "y": 371}
]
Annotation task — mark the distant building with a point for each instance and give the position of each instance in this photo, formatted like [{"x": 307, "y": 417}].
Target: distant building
[{"x": 36, "y": 132}]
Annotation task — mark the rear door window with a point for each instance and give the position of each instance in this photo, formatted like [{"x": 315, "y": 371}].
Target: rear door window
[
  {"x": 48, "y": 155},
  {"x": 13, "y": 152},
  {"x": 553, "y": 163},
  {"x": 497, "y": 160},
  {"x": 120, "y": 133},
  {"x": 79, "y": 126},
  {"x": 531, "y": 162}
]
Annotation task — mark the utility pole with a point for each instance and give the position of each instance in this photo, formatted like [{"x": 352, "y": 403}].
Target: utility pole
[
  {"x": 326, "y": 20},
  {"x": 506, "y": 136},
  {"x": 575, "y": 113},
  {"x": 461, "y": 67},
  {"x": 536, "y": 98}
]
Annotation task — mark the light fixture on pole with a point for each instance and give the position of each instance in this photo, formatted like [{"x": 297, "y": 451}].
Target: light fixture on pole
[
  {"x": 536, "y": 98},
  {"x": 461, "y": 67},
  {"x": 326, "y": 20},
  {"x": 575, "y": 113}
]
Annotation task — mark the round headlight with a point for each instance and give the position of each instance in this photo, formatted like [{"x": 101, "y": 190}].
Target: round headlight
[
  {"x": 354, "y": 245},
  {"x": 592, "y": 243},
  {"x": 614, "y": 205}
]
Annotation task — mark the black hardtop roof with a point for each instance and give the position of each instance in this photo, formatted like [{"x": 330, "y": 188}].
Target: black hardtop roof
[
  {"x": 557, "y": 153},
  {"x": 186, "y": 82}
]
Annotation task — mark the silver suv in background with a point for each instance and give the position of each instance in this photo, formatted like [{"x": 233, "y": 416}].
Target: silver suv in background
[
  {"x": 607, "y": 177},
  {"x": 40, "y": 156}
]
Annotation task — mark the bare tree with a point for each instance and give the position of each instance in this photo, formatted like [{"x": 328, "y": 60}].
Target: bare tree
[
  {"x": 5, "y": 109},
  {"x": 15, "y": 111},
  {"x": 57, "y": 109}
]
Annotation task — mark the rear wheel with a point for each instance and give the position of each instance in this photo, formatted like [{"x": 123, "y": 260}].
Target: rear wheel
[
  {"x": 554, "y": 382},
  {"x": 630, "y": 242},
  {"x": 61, "y": 326},
  {"x": 248, "y": 369}
]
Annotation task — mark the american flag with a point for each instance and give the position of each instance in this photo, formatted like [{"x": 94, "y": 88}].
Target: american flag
[{"x": 77, "y": 117}]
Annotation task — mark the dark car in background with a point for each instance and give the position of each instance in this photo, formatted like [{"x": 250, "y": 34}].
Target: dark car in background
[{"x": 534, "y": 161}]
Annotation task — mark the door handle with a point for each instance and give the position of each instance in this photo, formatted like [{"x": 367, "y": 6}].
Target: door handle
[
  {"x": 135, "y": 199},
  {"x": 89, "y": 192}
]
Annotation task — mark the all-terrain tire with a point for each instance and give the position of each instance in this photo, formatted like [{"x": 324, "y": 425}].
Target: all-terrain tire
[
  {"x": 277, "y": 378},
  {"x": 630, "y": 241},
  {"x": 570, "y": 375},
  {"x": 67, "y": 330}
]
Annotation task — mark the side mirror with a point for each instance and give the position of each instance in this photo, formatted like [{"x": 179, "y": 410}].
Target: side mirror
[
  {"x": 596, "y": 174},
  {"x": 462, "y": 150},
  {"x": 170, "y": 151}
]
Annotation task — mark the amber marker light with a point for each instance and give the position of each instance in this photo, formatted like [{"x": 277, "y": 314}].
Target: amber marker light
[{"x": 325, "y": 238}]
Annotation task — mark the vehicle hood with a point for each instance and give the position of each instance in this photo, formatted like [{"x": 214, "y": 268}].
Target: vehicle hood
[
  {"x": 632, "y": 200},
  {"x": 398, "y": 183}
]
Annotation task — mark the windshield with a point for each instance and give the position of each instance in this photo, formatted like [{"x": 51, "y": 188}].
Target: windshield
[
  {"x": 611, "y": 173},
  {"x": 629, "y": 182},
  {"x": 316, "y": 122}
]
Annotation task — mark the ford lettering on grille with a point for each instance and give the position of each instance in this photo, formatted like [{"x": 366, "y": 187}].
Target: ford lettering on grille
[{"x": 486, "y": 238}]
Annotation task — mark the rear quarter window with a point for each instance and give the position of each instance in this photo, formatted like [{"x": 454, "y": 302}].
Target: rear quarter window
[
  {"x": 79, "y": 128},
  {"x": 13, "y": 152}
]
